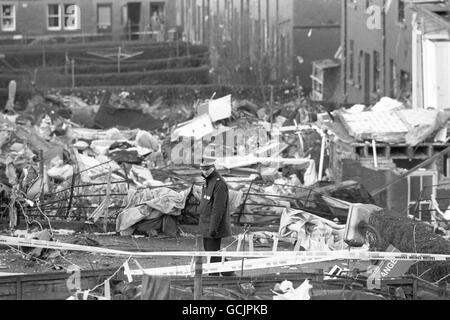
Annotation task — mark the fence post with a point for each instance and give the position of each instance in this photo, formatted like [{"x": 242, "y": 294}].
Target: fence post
[
  {"x": 73, "y": 72},
  {"x": 198, "y": 289},
  {"x": 66, "y": 71},
  {"x": 43, "y": 56},
  {"x": 119, "y": 52}
]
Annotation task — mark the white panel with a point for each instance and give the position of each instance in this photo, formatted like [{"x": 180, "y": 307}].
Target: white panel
[
  {"x": 436, "y": 67},
  {"x": 443, "y": 74}
]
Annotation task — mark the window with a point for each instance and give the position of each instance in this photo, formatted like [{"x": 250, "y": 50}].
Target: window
[
  {"x": 351, "y": 59},
  {"x": 401, "y": 11},
  {"x": 124, "y": 16},
  {"x": 71, "y": 17},
  {"x": 104, "y": 16},
  {"x": 360, "y": 64},
  {"x": 68, "y": 13},
  {"x": 405, "y": 82},
  {"x": 421, "y": 188},
  {"x": 376, "y": 71},
  {"x": 8, "y": 18},
  {"x": 54, "y": 17}
]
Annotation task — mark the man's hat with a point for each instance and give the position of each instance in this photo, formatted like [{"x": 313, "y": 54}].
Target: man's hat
[{"x": 207, "y": 163}]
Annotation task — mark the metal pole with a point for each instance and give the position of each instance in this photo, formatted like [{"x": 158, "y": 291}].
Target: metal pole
[
  {"x": 259, "y": 31},
  {"x": 241, "y": 32},
  {"x": 73, "y": 72},
  {"x": 65, "y": 64},
  {"x": 208, "y": 33},
  {"x": 118, "y": 59},
  {"x": 277, "y": 40},
  {"x": 344, "y": 55},
  {"x": 41, "y": 172},
  {"x": 271, "y": 107},
  {"x": 203, "y": 21},
  {"x": 43, "y": 56},
  {"x": 267, "y": 21},
  {"x": 322, "y": 156},
  {"x": 218, "y": 16},
  {"x": 383, "y": 16},
  {"x": 248, "y": 34}
]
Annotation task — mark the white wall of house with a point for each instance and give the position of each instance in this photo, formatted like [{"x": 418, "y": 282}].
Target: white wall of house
[
  {"x": 436, "y": 66},
  {"x": 431, "y": 64}
]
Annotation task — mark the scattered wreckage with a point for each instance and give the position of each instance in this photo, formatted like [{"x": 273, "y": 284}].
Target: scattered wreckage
[{"x": 138, "y": 181}]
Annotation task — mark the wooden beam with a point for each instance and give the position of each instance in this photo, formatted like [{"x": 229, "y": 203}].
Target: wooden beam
[{"x": 198, "y": 288}]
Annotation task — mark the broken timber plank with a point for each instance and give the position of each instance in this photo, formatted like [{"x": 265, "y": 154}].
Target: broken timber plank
[{"x": 46, "y": 286}]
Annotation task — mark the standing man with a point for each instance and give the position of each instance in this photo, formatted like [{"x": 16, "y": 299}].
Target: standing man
[{"x": 214, "y": 220}]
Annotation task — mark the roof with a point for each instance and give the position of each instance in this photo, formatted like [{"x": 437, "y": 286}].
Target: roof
[{"x": 438, "y": 13}]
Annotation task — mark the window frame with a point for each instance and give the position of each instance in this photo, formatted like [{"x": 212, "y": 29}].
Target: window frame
[
  {"x": 421, "y": 175},
  {"x": 75, "y": 15},
  {"x": 12, "y": 18},
  {"x": 110, "y": 9},
  {"x": 59, "y": 16},
  {"x": 401, "y": 17}
]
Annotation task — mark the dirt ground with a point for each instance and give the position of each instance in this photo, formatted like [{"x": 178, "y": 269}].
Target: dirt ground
[{"x": 13, "y": 261}]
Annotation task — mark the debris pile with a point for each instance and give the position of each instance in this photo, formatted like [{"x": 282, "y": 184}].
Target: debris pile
[{"x": 133, "y": 167}]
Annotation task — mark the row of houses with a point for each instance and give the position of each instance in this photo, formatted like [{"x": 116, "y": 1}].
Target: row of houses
[
  {"x": 25, "y": 21},
  {"x": 364, "y": 49},
  {"x": 282, "y": 37},
  {"x": 387, "y": 44}
]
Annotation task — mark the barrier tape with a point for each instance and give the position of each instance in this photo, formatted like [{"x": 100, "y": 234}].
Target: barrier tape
[
  {"x": 357, "y": 254},
  {"x": 216, "y": 267}
]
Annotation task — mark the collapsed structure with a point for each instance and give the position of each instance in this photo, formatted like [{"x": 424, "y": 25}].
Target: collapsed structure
[{"x": 294, "y": 179}]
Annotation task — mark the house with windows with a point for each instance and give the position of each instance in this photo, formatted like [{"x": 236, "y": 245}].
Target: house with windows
[
  {"x": 276, "y": 40},
  {"x": 384, "y": 45},
  {"x": 431, "y": 52},
  {"x": 377, "y": 50},
  {"x": 391, "y": 51},
  {"x": 28, "y": 20}
]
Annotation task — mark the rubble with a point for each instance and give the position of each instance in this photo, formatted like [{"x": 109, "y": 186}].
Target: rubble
[{"x": 120, "y": 163}]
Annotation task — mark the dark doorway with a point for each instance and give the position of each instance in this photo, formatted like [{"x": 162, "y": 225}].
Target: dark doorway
[
  {"x": 158, "y": 9},
  {"x": 157, "y": 20},
  {"x": 134, "y": 19},
  {"x": 367, "y": 78}
]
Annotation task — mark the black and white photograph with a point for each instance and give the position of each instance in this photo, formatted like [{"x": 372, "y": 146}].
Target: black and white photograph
[{"x": 225, "y": 155}]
